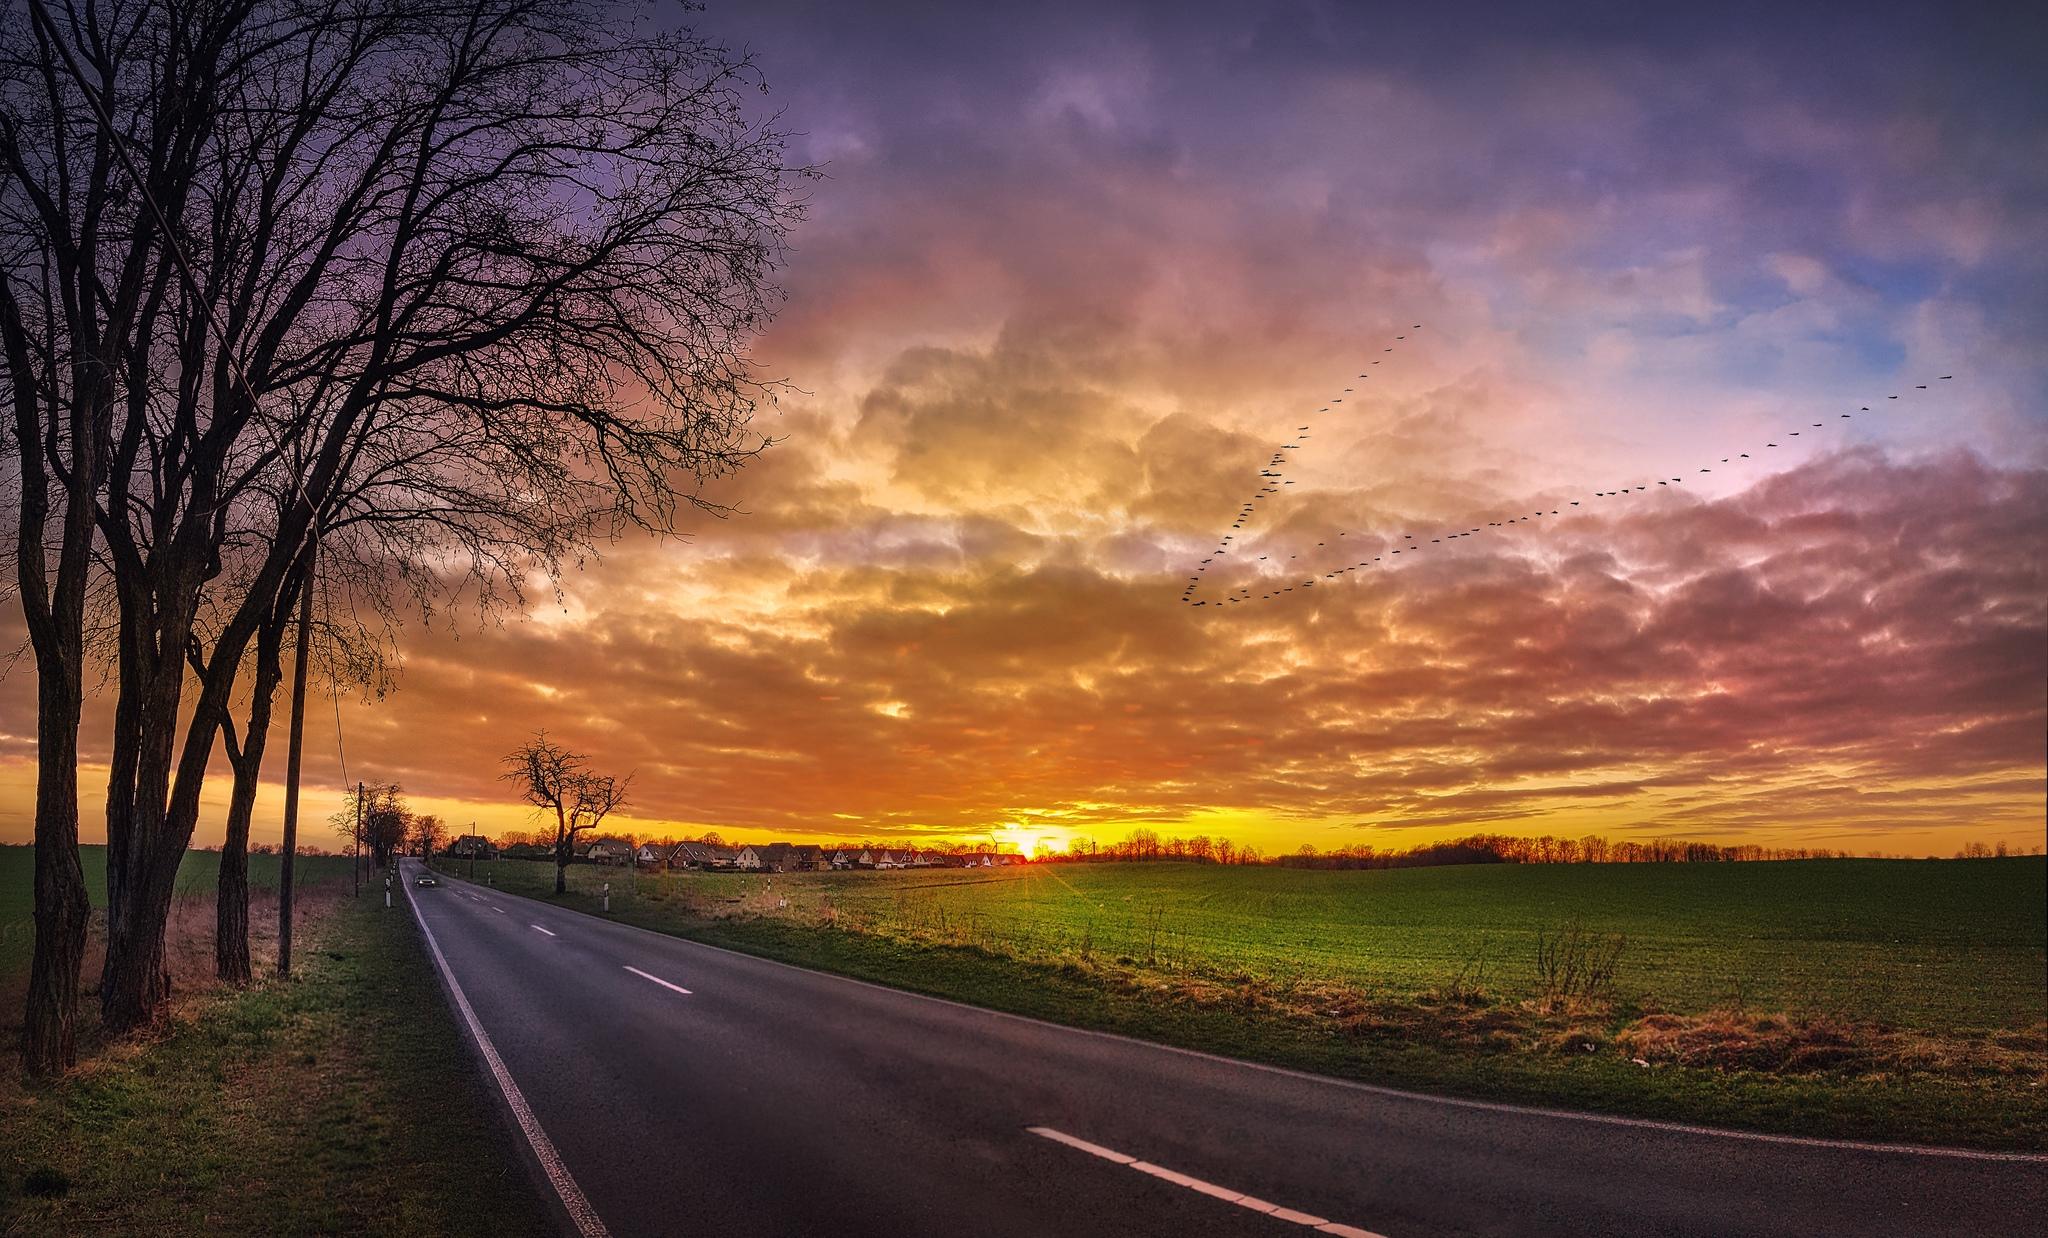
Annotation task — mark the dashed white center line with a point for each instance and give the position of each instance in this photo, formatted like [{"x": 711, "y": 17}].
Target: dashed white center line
[
  {"x": 658, "y": 980},
  {"x": 538, "y": 929},
  {"x": 499, "y": 910},
  {"x": 1321, "y": 1225}
]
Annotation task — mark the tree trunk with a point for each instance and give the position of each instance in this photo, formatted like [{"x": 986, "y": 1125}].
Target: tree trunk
[
  {"x": 62, "y": 908},
  {"x": 231, "y": 898},
  {"x": 144, "y": 845},
  {"x": 135, "y": 983},
  {"x": 54, "y": 610}
]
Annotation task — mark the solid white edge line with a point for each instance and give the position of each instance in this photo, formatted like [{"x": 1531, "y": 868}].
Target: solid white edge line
[
  {"x": 658, "y": 980},
  {"x": 1373, "y": 1089},
  {"x": 1202, "y": 1187},
  {"x": 538, "y": 929},
  {"x": 580, "y": 1212}
]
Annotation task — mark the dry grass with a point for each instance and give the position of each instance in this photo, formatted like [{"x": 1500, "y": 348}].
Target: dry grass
[
  {"x": 188, "y": 949},
  {"x": 1575, "y": 966},
  {"x": 1814, "y": 1044}
]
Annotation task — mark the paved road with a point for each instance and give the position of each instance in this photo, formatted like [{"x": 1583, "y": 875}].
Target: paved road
[{"x": 768, "y": 1100}]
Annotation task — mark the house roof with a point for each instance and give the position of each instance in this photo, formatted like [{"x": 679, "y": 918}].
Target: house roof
[{"x": 704, "y": 853}]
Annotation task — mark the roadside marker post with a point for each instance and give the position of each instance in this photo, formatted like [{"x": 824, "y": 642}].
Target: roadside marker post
[{"x": 607, "y": 898}]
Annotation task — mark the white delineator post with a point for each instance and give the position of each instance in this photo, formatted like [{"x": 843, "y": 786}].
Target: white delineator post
[{"x": 607, "y": 897}]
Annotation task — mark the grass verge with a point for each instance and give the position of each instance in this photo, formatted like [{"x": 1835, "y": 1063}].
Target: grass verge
[
  {"x": 1806, "y": 1075},
  {"x": 343, "y": 1101}
]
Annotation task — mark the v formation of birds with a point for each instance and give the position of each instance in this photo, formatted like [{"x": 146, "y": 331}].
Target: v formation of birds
[{"x": 1273, "y": 476}]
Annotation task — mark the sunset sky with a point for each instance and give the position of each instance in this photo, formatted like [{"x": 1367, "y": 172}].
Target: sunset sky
[{"x": 1073, "y": 274}]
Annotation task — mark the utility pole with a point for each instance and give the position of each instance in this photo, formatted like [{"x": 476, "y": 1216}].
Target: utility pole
[
  {"x": 354, "y": 869},
  {"x": 291, "y": 777}
]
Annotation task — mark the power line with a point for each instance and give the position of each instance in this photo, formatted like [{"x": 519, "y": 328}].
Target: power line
[{"x": 1272, "y": 477}]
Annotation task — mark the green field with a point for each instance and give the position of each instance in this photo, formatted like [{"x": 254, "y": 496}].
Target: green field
[
  {"x": 1934, "y": 944},
  {"x": 196, "y": 875},
  {"x": 1863, "y": 999}
]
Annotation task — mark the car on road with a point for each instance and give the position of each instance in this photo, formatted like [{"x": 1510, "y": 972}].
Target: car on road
[{"x": 426, "y": 879}]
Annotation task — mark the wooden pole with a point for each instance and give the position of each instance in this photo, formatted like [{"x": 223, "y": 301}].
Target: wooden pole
[
  {"x": 291, "y": 776},
  {"x": 355, "y": 870}
]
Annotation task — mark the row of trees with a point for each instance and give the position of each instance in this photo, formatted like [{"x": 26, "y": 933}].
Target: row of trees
[
  {"x": 1143, "y": 845},
  {"x": 1990, "y": 851},
  {"x": 369, "y": 303},
  {"x": 379, "y": 823},
  {"x": 1548, "y": 849},
  {"x": 1146, "y": 845}
]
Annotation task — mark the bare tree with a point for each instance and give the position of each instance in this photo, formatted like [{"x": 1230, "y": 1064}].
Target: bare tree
[
  {"x": 429, "y": 835},
  {"x": 554, "y": 779},
  {"x": 245, "y": 759},
  {"x": 76, "y": 284},
  {"x": 386, "y": 826},
  {"x": 449, "y": 280}
]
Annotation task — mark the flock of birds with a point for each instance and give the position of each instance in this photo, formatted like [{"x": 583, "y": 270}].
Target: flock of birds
[{"x": 1272, "y": 478}]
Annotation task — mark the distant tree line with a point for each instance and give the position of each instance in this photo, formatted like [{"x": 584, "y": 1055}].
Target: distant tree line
[
  {"x": 1549, "y": 849},
  {"x": 1989, "y": 851},
  {"x": 1146, "y": 845}
]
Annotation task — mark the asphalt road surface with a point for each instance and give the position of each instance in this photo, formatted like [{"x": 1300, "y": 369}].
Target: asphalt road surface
[{"x": 673, "y": 1088}]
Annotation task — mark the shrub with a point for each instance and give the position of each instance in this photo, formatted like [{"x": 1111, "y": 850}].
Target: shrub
[{"x": 1575, "y": 964}]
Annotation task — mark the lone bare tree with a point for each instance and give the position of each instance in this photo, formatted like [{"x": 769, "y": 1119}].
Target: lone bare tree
[
  {"x": 459, "y": 279},
  {"x": 552, "y": 778},
  {"x": 429, "y": 836}
]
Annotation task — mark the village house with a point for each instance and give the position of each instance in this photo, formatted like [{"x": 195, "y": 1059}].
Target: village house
[
  {"x": 473, "y": 845},
  {"x": 765, "y": 858},
  {"x": 608, "y": 851},
  {"x": 782, "y": 857},
  {"x": 703, "y": 856}
]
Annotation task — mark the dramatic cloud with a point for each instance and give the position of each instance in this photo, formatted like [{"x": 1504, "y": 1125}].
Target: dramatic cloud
[{"x": 1073, "y": 275}]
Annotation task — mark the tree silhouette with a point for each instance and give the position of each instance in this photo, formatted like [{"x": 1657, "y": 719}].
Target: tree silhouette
[
  {"x": 554, "y": 779},
  {"x": 457, "y": 287}
]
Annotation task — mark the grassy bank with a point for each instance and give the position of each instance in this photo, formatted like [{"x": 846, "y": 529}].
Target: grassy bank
[
  {"x": 344, "y": 1101},
  {"x": 1856, "y": 1000}
]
